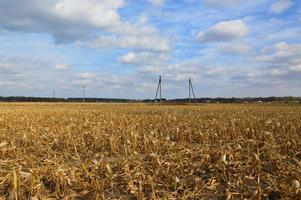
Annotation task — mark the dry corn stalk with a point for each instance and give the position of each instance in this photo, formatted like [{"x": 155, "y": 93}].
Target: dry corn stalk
[{"x": 136, "y": 151}]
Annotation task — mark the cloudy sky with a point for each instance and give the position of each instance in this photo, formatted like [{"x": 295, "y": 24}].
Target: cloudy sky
[{"x": 118, "y": 48}]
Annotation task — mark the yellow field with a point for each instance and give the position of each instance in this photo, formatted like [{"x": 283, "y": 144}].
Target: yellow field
[{"x": 136, "y": 151}]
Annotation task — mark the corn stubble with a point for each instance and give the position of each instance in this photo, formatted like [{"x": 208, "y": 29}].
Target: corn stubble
[{"x": 105, "y": 151}]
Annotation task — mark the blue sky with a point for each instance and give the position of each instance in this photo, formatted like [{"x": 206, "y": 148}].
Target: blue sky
[{"x": 118, "y": 48}]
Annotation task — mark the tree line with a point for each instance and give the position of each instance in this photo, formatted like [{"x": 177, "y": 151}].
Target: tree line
[{"x": 117, "y": 100}]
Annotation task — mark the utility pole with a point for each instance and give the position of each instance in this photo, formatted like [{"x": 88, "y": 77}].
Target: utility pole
[
  {"x": 84, "y": 93},
  {"x": 54, "y": 93},
  {"x": 159, "y": 90},
  {"x": 191, "y": 91}
]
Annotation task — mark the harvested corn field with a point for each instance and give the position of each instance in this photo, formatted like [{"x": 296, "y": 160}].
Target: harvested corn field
[{"x": 136, "y": 151}]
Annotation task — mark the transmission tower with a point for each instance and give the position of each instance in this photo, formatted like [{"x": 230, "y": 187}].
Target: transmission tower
[
  {"x": 159, "y": 90},
  {"x": 191, "y": 91}
]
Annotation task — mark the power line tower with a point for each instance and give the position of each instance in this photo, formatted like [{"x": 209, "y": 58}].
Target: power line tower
[
  {"x": 191, "y": 91},
  {"x": 159, "y": 90},
  {"x": 84, "y": 93},
  {"x": 53, "y": 94}
]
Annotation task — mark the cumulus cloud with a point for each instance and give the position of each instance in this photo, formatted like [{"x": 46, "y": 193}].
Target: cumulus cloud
[
  {"x": 97, "y": 80},
  {"x": 174, "y": 72},
  {"x": 157, "y": 2},
  {"x": 7, "y": 68},
  {"x": 280, "y": 6},
  {"x": 281, "y": 54},
  {"x": 61, "y": 67},
  {"x": 151, "y": 43},
  {"x": 65, "y": 20},
  {"x": 276, "y": 66},
  {"x": 224, "y": 2},
  {"x": 74, "y": 20},
  {"x": 279, "y": 63},
  {"x": 183, "y": 71},
  {"x": 224, "y": 31},
  {"x": 86, "y": 75},
  {"x": 144, "y": 58},
  {"x": 285, "y": 34},
  {"x": 128, "y": 58},
  {"x": 277, "y": 72},
  {"x": 236, "y": 48},
  {"x": 214, "y": 71},
  {"x": 296, "y": 68},
  {"x": 100, "y": 13}
]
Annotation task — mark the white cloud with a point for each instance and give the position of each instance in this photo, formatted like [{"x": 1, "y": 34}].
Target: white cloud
[
  {"x": 223, "y": 2},
  {"x": 280, "y": 46},
  {"x": 277, "y": 72},
  {"x": 144, "y": 58},
  {"x": 281, "y": 53},
  {"x": 7, "y": 68},
  {"x": 6, "y": 83},
  {"x": 236, "y": 48},
  {"x": 279, "y": 62},
  {"x": 261, "y": 74},
  {"x": 75, "y": 20},
  {"x": 151, "y": 43},
  {"x": 128, "y": 58},
  {"x": 66, "y": 20},
  {"x": 183, "y": 71},
  {"x": 157, "y": 2},
  {"x": 96, "y": 80},
  {"x": 280, "y": 6},
  {"x": 284, "y": 34},
  {"x": 214, "y": 71},
  {"x": 224, "y": 31},
  {"x": 278, "y": 65},
  {"x": 296, "y": 68},
  {"x": 100, "y": 13},
  {"x": 175, "y": 72},
  {"x": 86, "y": 75},
  {"x": 61, "y": 67},
  {"x": 7, "y": 65}
]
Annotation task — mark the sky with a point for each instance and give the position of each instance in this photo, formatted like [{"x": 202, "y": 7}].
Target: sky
[{"x": 118, "y": 48}]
